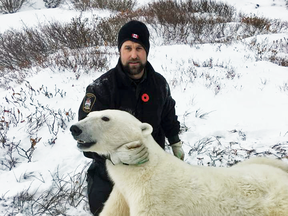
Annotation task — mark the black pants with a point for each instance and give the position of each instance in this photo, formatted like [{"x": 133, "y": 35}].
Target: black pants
[{"x": 99, "y": 186}]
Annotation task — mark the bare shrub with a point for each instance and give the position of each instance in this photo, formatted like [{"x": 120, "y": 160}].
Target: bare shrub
[
  {"x": 52, "y": 3},
  {"x": 8, "y": 156},
  {"x": 10, "y": 6},
  {"x": 203, "y": 6},
  {"x": 41, "y": 117},
  {"x": 78, "y": 60},
  {"x": 76, "y": 34},
  {"x": 65, "y": 192},
  {"x": 280, "y": 61},
  {"x": 114, "y": 5},
  {"x": 254, "y": 24},
  {"x": 276, "y": 52},
  {"x": 20, "y": 50},
  {"x": 191, "y": 22},
  {"x": 216, "y": 153},
  {"x": 170, "y": 27},
  {"x": 9, "y": 159},
  {"x": 81, "y": 5},
  {"x": 203, "y": 22}
]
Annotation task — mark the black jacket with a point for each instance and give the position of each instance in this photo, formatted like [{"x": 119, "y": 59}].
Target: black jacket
[{"x": 149, "y": 101}]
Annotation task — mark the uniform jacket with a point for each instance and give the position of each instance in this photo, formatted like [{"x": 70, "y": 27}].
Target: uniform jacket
[{"x": 149, "y": 100}]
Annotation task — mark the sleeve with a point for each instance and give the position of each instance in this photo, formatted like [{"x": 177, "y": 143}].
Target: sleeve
[
  {"x": 169, "y": 119},
  {"x": 93, "y": 100},
  {"x": 86, "y": 105}
]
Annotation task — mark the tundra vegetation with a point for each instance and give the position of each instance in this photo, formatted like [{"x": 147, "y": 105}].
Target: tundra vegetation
[{"x": 82, "y": 46}]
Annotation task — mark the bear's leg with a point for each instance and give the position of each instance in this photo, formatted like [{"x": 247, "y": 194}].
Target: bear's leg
[{"x": 116, "y": 205}]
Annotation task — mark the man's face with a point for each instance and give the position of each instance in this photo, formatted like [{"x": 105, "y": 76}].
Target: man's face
[{"x": 133, "y": 58}]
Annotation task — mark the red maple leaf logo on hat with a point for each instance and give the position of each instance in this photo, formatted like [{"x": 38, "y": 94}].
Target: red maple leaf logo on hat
[{"x": 135, "y": 36}]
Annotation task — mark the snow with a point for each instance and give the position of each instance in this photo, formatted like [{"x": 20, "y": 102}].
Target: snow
[
  {"x": 274, "y": 9},
  {"x": 244, "y": 111}
]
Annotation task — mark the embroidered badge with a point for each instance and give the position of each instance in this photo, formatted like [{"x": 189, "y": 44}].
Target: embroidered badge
[
  {"x": 135, "y": 36},
  {"x": 88, "y": 103},
  {"x": 145, "y": 97}
]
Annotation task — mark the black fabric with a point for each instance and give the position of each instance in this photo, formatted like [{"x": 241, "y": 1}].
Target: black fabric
[
  {"x": 99, "y": 186},
  {"x": 134, "y": 31},
  {"x": 149, "y": 101}
]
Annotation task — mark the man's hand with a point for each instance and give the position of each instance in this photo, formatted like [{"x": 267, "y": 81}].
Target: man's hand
[
  {"x": 177, "y": 150},
  {"x": 132, "y": 153}
]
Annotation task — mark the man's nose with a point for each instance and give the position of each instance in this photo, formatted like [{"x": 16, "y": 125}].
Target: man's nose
[{"x": 134, "y": 54}]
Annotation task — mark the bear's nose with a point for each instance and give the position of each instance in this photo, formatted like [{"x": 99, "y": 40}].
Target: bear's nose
[{"x": 76, "y": 131}]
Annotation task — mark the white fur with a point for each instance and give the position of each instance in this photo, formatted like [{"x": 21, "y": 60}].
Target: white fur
[{"x": 167, "y": 186}]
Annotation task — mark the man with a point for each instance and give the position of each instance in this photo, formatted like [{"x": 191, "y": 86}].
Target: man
[{"x": 135, "y": 87}]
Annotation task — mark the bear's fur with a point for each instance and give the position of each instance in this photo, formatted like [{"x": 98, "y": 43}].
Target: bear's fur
[{"x": 167, "y": 186}]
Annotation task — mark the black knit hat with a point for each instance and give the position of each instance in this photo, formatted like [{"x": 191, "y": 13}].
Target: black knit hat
[{"x": 135, "y": 31}]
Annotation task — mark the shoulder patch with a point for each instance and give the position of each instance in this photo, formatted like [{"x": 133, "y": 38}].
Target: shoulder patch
[{"x": 88, "y": 102}]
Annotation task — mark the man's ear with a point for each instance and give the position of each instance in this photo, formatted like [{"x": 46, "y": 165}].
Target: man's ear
[{"x": 146, "y": 129}]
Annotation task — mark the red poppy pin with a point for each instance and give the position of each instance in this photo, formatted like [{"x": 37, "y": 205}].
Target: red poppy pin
[{"x": 145, "y": 97}]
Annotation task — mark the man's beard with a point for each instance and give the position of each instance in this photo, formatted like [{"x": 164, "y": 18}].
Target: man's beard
[{"x": 134, "y": 70}]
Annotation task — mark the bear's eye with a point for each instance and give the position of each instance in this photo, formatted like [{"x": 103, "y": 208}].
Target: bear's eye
[{"x": 105, "y": 118}]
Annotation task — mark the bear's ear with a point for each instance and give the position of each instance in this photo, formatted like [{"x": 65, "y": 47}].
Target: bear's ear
[{"x": 146, "y": 129}]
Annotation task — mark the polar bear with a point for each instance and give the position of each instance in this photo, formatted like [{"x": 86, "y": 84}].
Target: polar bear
[{"x": 167, "y": 186}]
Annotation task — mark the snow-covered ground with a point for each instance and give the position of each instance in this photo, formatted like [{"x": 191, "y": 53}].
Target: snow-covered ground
[{"x": 227, "y": 100}]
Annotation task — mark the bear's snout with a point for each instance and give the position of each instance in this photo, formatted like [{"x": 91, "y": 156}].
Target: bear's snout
[
  {"x": 75, "y": 130},
  {"x": 83, "y": 142}
]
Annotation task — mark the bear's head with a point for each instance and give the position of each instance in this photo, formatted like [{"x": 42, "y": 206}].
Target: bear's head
[{"x": 105, "y": 131}]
